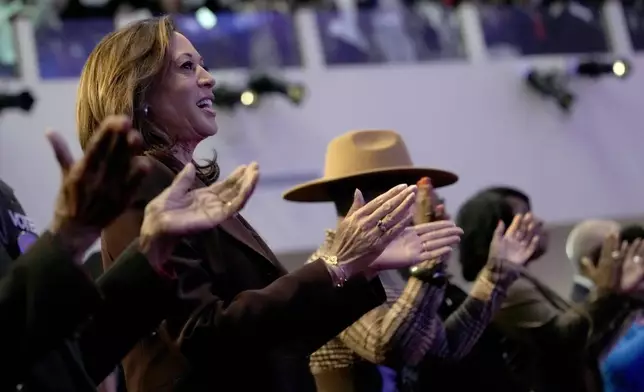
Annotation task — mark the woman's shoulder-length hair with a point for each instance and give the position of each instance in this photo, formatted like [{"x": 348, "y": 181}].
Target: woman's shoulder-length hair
[
  {"x": 118, "y": 76},
  {"x": 478, "y": 217}
]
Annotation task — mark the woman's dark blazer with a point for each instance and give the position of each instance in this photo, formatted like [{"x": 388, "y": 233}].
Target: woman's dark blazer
[{"x": 238, "y": 321}]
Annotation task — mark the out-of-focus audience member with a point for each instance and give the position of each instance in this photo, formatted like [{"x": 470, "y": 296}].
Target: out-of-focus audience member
[
  {"x": 489, "y": 366},
  {"x": 44, "y": 294},
  {"x": 622, "y": 366},
  {"x": 552, "y": 334},
  {"x": 584, "y": 248},
  {"x": 631, "y": 233},
  {"x": 583, "y": 245}
]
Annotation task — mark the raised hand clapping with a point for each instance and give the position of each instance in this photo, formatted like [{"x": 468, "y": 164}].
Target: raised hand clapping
[
  {"x": 368, "y": 228},
  {"x": 516, "y": 244},
  {"x": 180, "y": 211},
  {"x": 427, "y": 241},
  {"x": 620, "y": 268},
  {"x": 97, "y": 188}
]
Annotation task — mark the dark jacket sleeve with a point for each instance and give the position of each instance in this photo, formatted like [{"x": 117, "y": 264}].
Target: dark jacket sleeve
[
  {"x": 44, "y": 297},
  {"x": 302, "y": 308},
  {"x": 134, "y": 298}
]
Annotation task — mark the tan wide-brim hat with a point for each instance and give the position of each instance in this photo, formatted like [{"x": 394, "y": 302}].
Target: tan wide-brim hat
[{"x": 371, "y": 155}]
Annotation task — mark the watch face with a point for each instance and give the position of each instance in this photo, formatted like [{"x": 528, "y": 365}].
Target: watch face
[{"x": 25, "y": 240}]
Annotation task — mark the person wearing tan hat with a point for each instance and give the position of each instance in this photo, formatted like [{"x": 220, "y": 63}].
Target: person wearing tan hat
[
  {"x": 583, "y": 246},
  {"x": 406, "y": 328}
]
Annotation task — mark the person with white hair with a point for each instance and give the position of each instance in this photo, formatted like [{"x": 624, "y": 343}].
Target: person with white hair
[{"x": 582, "y": 248}]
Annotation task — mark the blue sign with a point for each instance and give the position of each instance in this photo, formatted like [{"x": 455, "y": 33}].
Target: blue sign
[
  {"x": 62, "y": 51},
  {"x": 398, "y": 35},
  {"x": 558, "y": 29}
]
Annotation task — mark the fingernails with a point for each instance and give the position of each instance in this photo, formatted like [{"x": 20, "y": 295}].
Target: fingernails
[{"x": 400, "y": 187}]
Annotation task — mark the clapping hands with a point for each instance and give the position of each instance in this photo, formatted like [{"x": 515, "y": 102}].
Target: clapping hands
[
  {"x": 518, "y": 243},
  {"x": 98, "y": 187},
  {"x": 376, "y": 236},
  {"x": 178, "y": 210},
  {"x": 181, "y": 210},
  {"x": 427, "y": 241},
  {"x": 369, "y": 227},
  {"x": 620, "y": 268}
]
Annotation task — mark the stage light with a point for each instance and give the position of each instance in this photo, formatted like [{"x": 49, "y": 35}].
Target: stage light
[
  {"x": 595, "y": 69},
  {"x": 265, "y": 84},
  {"x": 248, "y": 98},
  {"x": 226, "y": 97},
  {"x": 24, "y": 101},
  {"x": 206, "y": 18},
  {"x": 551, "y": 85}
]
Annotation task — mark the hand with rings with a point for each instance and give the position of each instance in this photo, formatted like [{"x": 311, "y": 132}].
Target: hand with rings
[
  {"x": 369, "y": 228},
  {"x": 516, "y": 244},
  {"x": 632, "y": 274},
  {"x": 178, "y": 210},
  {"x": 620, "y": 268},
  {"x": 427, "y": 241}
]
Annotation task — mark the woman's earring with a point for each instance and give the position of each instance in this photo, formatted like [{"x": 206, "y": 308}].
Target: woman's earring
[{"x": 146, "y": 109}]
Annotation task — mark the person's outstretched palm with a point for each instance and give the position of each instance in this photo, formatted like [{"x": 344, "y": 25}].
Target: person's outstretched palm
[
  {"x": 427, "y": 241},
  {"x": 179, "y": 210},
  {"x": 516, "y": 244}
]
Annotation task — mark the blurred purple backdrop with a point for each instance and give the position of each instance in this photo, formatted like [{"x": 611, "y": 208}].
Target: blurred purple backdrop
[
  {"x": 391, "y": 36},
  {"x": 62, "y": 52},
  {"x": 529, "y": 31},
  {"x": 635, "y": 23},
  {"x": 237, "y": 41}
]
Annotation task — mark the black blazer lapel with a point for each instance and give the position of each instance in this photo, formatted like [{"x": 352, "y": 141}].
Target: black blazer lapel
[{"x": 247, "y": 236}]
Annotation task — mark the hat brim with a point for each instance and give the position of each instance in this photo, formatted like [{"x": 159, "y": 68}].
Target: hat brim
[{"x": 318, "y": 190}]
